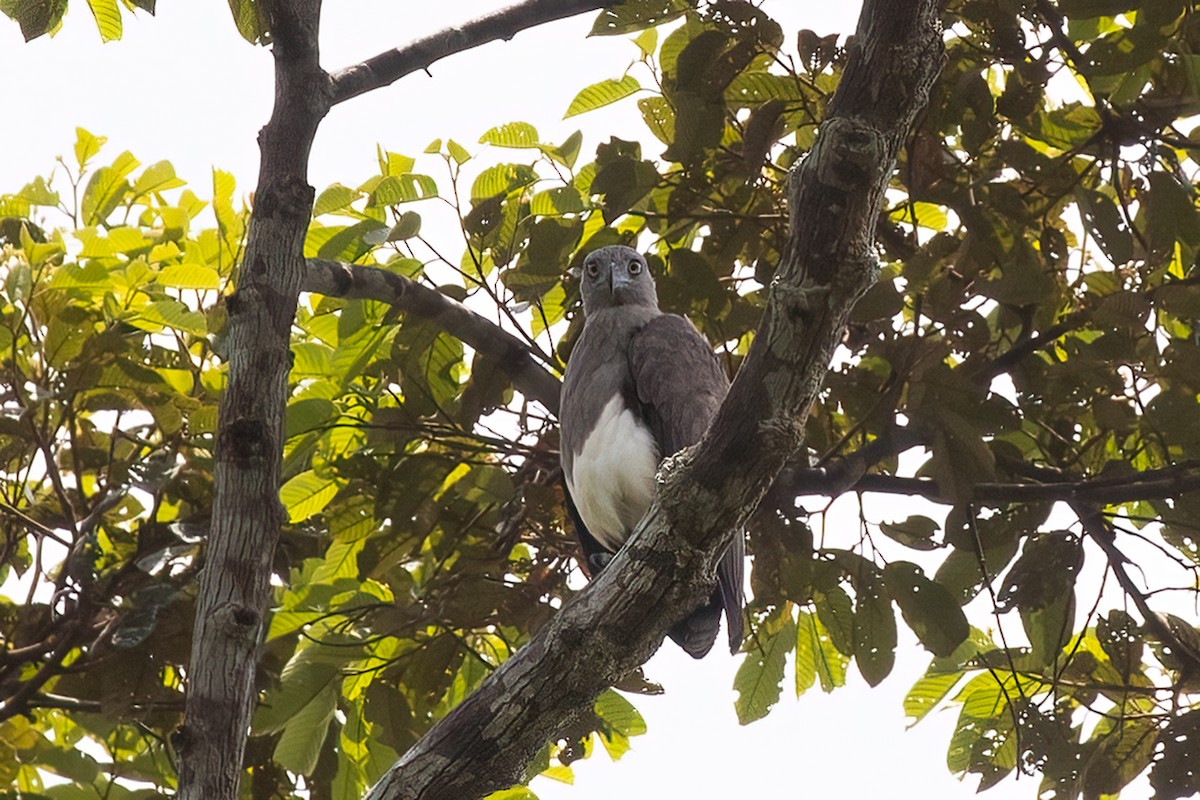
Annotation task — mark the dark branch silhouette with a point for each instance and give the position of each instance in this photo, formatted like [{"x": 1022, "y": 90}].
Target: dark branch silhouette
[{"x": 503, "y": 24}]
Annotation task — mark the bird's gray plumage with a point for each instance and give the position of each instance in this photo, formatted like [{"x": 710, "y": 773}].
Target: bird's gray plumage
[{"x": 641, "y": 385}]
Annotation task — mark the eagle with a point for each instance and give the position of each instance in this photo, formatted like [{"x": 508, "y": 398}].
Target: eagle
[{"x": 640, "y": 386}]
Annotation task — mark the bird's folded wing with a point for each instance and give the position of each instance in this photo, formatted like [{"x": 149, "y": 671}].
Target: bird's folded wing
[
  {"x": 678, "y": 381},
  {"x": 680, "y": 384}
]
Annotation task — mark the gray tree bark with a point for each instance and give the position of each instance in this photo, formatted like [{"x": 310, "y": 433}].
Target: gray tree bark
[{"x": 234, "y": 583}]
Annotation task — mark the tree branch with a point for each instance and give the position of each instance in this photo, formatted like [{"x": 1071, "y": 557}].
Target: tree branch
[
  {"x": 511, "y": 354},
  {"x": 17, "y": 702},
  {"x": 388, "y": 67},
  {"x": 706, "y": 494},
  {"x": 1151, "y": 484},
  {"x": 1100, "y": 531}
]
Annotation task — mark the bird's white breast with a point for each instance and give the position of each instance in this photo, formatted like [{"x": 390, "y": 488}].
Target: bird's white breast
[{"x": 612, "y": 475}]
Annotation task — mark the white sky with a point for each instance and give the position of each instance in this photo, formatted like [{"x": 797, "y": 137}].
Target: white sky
[{"x": 185, "y": 87}]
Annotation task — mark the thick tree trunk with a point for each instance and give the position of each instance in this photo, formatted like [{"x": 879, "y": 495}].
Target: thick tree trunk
[
  {"x": 707, "y": 494},
  {"x": 235, "y": 581}
]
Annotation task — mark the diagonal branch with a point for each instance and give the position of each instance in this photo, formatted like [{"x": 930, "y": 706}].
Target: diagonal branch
[
  {"x": 505, "y": 23},
  {"x": 513, "y": 356},
  {"x": 1100, "y": 531}
]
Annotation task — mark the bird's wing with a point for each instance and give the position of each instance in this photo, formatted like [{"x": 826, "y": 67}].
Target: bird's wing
[
  {"x": 678, "y": 381},
  {"x": 680, "y": 385}
]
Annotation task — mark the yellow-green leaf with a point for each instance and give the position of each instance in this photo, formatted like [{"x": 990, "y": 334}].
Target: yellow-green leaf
[
  {"x": 170, "y": 314},
  {"x": 927, "y": 692},
  {"x": 602, "y": 94},
  {"x": 300, "y": 745},
  {"x": 87, "y": 145},
  {"x": 511, "y": 134},
  {"x": 759, "y": 679},
  {"x": 307, "y": 494},
  {"x": 189, "y": 276},
  {"x": 108, "y": 18}
]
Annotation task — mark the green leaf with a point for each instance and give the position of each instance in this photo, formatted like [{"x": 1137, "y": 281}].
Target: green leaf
[
  {"x": 928, "y": 608},
  {"x": 457, "y": 152},
  {"x": 404, "y": 188},
  {"x": 1049, "y": 628},
  {"x": 335, "y": 198},
  {"x": 501, "y": 179},
  {"x": 635, "y": 16},
  {"x": 108, "y": 18},
  {"x": 817, "y": 657},
  {"x": 188, "y": 276},
  {"x": 556, "y": 201},
  {"x": 519, "y": 135},
  {"x": 307, "y": 494},
  {"x": 312, "y": 359},
  {"x": 874, "y": 627},
  {"x": 408, "y": 226},
  {"x": 158, "y": 177},
  {"x": 37, "y": 192},
  {"x": 647, "y": 41},
  {"x": 86, "y": 147},
  {"x": 91, "y": 275},
  {"x": 300, "y": 745},
  {"x": 35, "y": 17},
  {"x": 960, "y": 458},
  {"x": 836, "y": 613},
  {"x": 760, "y": 677},
  {"x": 1174, "y": 774},
  {"x": 303, "y": 680},
  {"x": 602, "y": 94},
  {"x": 106, "y": 189},
  {"x": 928, "y": 691},
  {"x": 250, "y": 20},
  {"x": 915, "y": 532},
  {"x": 1120, "y": 756},
  {"x": 170, "y": 314},
  {"x": 619, "y": 722},
  {"x": 752, "y": 88}
]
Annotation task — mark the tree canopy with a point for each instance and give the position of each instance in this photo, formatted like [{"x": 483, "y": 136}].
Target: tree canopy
[{"x": 1019, "y": 368}]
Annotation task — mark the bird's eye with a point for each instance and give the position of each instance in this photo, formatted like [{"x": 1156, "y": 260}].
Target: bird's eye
[
  {"x": 635, "y": 267},
  {"x": 592, "y": 269}
]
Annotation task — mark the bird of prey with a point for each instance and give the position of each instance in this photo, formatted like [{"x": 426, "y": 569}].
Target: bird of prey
[{"x": 641, "y": 385}]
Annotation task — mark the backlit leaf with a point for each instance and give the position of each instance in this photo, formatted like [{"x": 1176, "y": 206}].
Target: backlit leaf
[
  {"x": 511, "y": 134},
  {"x": 307, "y": 494},
  {"x": 108, "y": 18},
  {"x": 602, "y": 94},
  {"x": 759, "y": 678}
]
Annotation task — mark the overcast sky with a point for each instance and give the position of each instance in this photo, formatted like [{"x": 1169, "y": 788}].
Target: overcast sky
[{"x": 185, "y": 87}]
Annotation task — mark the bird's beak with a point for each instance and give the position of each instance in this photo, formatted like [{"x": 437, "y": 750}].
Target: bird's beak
[{"x": 621, "y": 281}]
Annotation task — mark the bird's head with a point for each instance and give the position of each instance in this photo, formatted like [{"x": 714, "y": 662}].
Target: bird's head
[{"x": 616, "y": 276}]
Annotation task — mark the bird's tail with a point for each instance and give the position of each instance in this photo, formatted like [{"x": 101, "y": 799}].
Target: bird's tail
[{"x": 697, "y": 632}]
